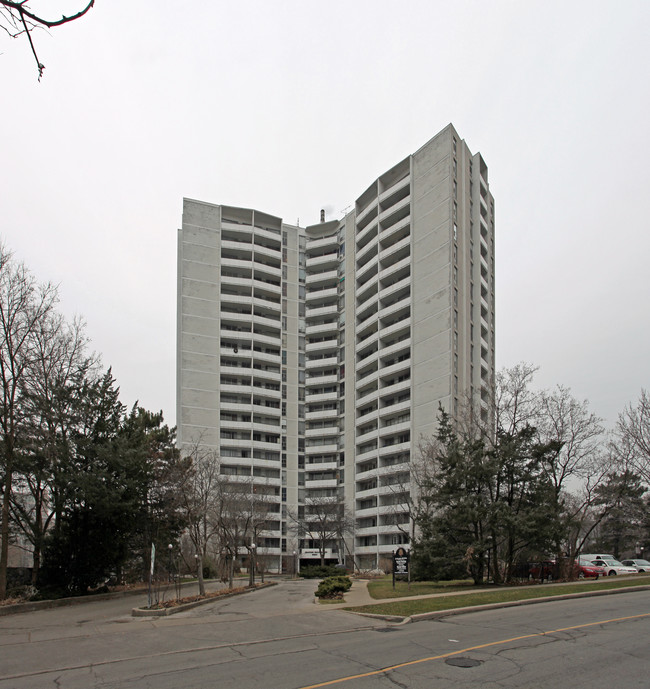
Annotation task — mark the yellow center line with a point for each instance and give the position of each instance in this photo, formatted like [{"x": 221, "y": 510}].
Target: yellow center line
[{"x": 469, "y": 648}]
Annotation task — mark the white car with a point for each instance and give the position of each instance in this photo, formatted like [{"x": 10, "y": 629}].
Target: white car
[
  {"x": 639, "y": 565},
  {"x": 613, "y": 567}
]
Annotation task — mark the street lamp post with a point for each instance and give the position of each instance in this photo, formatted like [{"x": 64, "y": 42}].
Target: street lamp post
[
  {"x": 170, "y": 576},
  {"x": 489, "y": 549},
  {"x": 251, "y": 575}
]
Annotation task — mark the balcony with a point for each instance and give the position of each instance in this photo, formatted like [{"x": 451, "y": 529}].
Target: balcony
[
  {"x": 327, "y": 293},
  {"x": 317, "y": 312},
  {"x": 326, "y": 362},
  {"x": 323, "y": 345},
  {"x": 402, "y": 206},
  {"x": 322, "y": 328},
  {"x": 397, "y": 251},
  {"x": 394, "y": 188},
  {"x": 234, "y": 264},
  {"x": 329, "y": 276},
  {"x": 390, "y": 270},
  {"x": 323, "y": 262},
  {"x": 317, "y": 245},
  {"x": 321, "y": 397},
  {"x": 321, "y": 483},
  {"x": 321, "y": 449},
  {"x": 266, "y": 252},
  {"x": 324, "y": 432},
  {"x": 322, "y": 415}
]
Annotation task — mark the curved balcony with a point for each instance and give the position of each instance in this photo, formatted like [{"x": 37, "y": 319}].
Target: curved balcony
[
  {"x": 318, "y": 312},
  {"x": 321, "y": 328},
  {"x": 321, "y": 449},
  {"x": 326, "y": 362},
  {"x": 322, "y": 415},
  {"x": 329, "y": 276},
  {"x": 323, "y": 345},
  {"x": 324, "y": 294},
  {"x": 317, "y": 245},
  {"x": 321, "y": 397},
  {"x": 323, "y": 262}
]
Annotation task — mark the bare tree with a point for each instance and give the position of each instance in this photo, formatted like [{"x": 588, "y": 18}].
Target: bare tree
[
  {"x": 232, "y": 522},
  {"x": 578, "y": 436},
  {"x": 632, "y": 436},
  {"x": 17, "y": 18},
  {"x": 24, "y": 307},
  {"x": 325, "y": 520},
  {"x": 200, "y": 491}
]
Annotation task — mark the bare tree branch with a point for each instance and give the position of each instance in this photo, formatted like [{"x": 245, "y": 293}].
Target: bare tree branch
[{"x": 16, "y": 18}]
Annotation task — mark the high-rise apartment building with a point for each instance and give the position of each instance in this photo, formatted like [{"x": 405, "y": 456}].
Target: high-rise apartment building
[{"x": 312, "y": 360}]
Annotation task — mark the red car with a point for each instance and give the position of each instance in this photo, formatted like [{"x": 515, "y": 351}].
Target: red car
[
  {"x": 589, "y": 571},
  {"x": 550, "y": 570}
]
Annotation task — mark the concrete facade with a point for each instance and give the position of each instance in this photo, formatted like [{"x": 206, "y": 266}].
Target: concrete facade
[{"x": 312, "y": 360}]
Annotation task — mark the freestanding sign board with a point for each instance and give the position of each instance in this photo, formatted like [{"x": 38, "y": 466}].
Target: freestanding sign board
[{"x": 401, "y": 565}]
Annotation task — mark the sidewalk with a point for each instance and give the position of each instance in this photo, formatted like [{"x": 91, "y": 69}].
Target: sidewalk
[{"x": 358, "y": 596}]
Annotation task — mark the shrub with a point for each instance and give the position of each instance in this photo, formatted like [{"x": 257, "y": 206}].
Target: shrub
[
  {"x": 320, "y": 571},
  {"x": 333, "y": 587}
]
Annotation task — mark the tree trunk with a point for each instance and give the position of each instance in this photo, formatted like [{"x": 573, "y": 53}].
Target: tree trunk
[
  {"x": 251, "y": 567},
  {"x": 4, "y": 532},
  {"x": 199, "y": 564}
]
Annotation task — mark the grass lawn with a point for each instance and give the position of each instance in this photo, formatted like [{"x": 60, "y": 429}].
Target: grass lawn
[
  {"x": 436, "y": 603},
  {"x": 383, "y": 588}
]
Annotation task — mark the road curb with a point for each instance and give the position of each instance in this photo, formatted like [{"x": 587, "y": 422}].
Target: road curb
[
  {"x": 164, "y": 612},
  {"x": 33, "y": 606},
  {"x": 494, "y": 606}
]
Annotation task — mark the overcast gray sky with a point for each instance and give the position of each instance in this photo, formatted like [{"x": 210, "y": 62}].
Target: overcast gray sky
[{"x": 289, "y": 107}]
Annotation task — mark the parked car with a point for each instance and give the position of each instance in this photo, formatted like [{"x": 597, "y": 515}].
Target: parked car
[
  {"x": 547, "y": 569},
  {"x": 639, "y": 565},
  {"x": 590, "y": 557},
  {"x": 613, "y": 567},
  {"x": 550, "y": 569},
  {"x": 587, "y": 571}
]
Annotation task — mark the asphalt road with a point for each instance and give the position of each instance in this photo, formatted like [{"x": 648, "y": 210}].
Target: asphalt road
[{"x": 278, "y": 638}]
